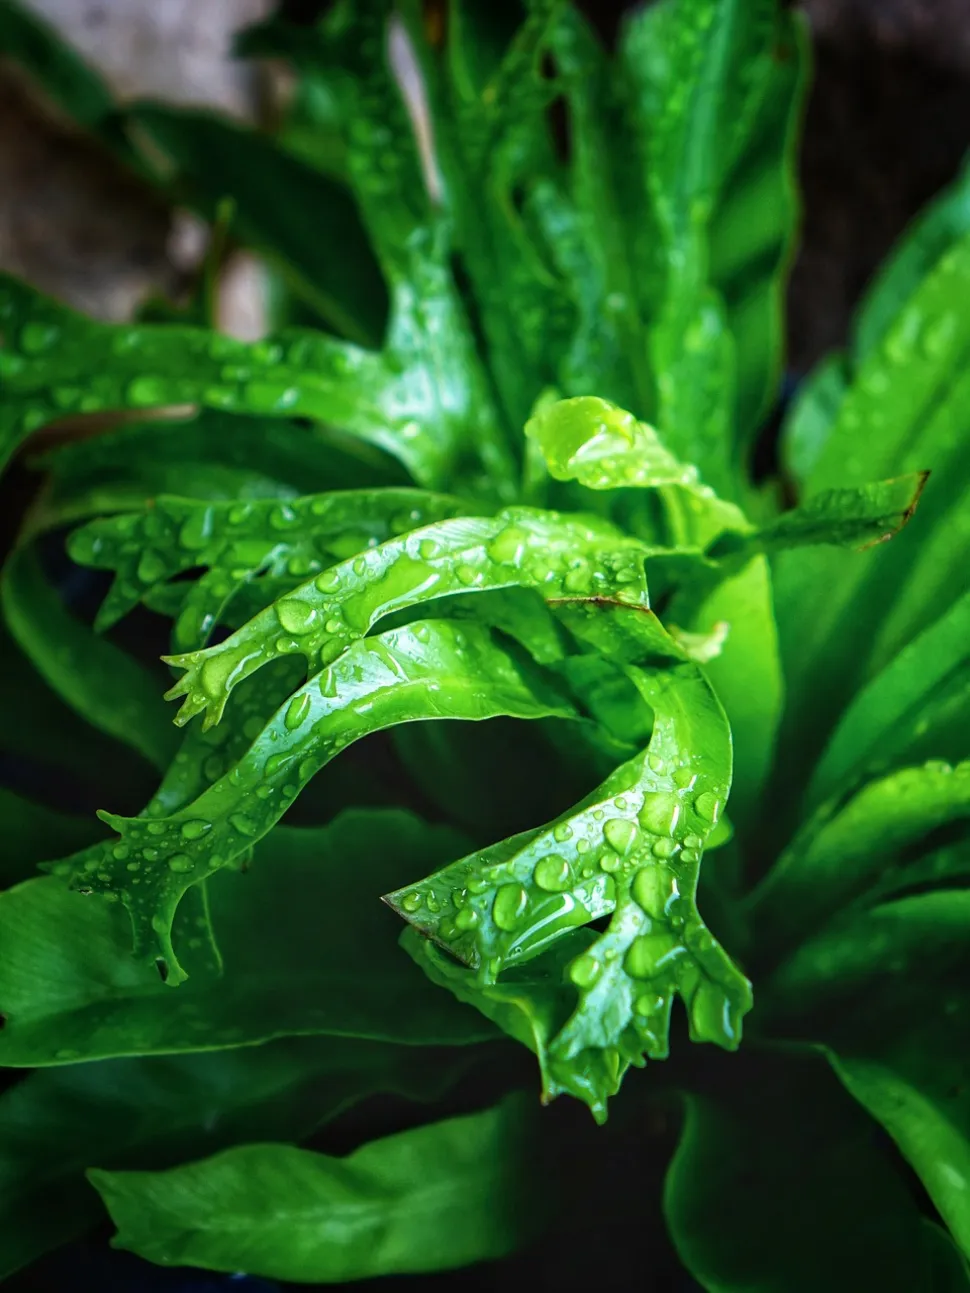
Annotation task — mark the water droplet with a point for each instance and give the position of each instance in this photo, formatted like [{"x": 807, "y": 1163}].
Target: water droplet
[
  {"x": 648, "y": 1004},
  {"x": 411, "y": 901},
  {"x": 295, "y": 616},
  {"x": 660, "y": 812},
  {"x": 180, "y": 863},
  {"x": 147, "y": 390},
  {"x": 562, "y": 832},
  {"x": 268, "y": 397},
  {"x": 621, "y": 835},
  {"x": 610, "y": 862},
  {"x": 664, "y": 848},
  {"x": 120, "y": 851},
  {"x": 585, "y": 970},
  {"x": 242, "y": 824},
  {"x": 151, "y": 567},
  {"x": 684, "y": 778},
  {"x": 552, "y": 873},
  {"x": 467, "y": 918},
  {"x": 197, "y": 528},
  {"x": 195, "y": 829},
  {"x": 656, "y": 763},
  {"x": 297, "y": 711},
  {"x": 155, "y": 828},
  {"x": 428, "y": 549},
  {"x": 650, "y": 889},
  {"x": 466, "y": 575},
  {"x": 509, "y": 545},
  {"x": 509, "y": 906},
  {"x": 707, "y": 806},
  {"x": 327, "y": 581}
]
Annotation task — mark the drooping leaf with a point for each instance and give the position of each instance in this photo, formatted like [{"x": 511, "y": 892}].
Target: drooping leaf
[
  {"x": 325, "y": 960},
  {"x": 519, "y": 547},
  {"x": 780, "y": 1184},
  {"x": 57, "y": 1123},
  {"x": 430, "y": 1199},
  {"x": 632, "y": 849},
  {"x": 429, "y": 669}
]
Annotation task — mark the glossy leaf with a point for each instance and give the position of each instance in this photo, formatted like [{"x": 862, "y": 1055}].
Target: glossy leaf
[
  {"x": 57, "y": 1123},
  {"x": 325, "y": 961},
  {"x": 56, "y": 363},
  {"x": 632, "y": 849},
  {"x": 430, "y": 1199},
  {"x": 107, "y": 687},
  {"x": 780, "y": 1184},
  {"x": 238, "y": 540},
  {"x": 425, "y": 670},
  {"x": 519, "y": 547}
]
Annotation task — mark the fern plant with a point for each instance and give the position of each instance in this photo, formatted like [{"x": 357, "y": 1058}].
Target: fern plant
[{"x": 493, "y": 463}]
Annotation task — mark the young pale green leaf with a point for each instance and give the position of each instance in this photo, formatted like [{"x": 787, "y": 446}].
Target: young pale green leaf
[
  {"x": 632, "y": 849},
  {"x": 239, "y": 540},
  {"x": 839, "y": 854},
  {"x": 33, "y": 834},
  {"x": 56, "y": 362},
  {"x": 779, "y": 1185},
  {"x": 305, "y": 221},
  {"x": 325, "y": 960},
  {"x": 429, "y": 669},
  {"x": 106, "y": 686},
  {"x": 920, "y": 700},
  {"x": 433, "y": 1198},
  {"x": 885, "y": 991},
  {"x": 155, "y": 1112},
  {"x": 524, "y": 547}
]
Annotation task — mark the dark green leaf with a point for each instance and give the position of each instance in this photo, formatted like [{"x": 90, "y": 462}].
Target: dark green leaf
[
  {"x": 57, "y": 1123},
  {"x": 33, "y": 834},
  {"x": 781, "y": 1185},
  {"x": 430, "y": 1199},
  {"x": 307, "y": 948},
  {"x": 103, "y": 684}
]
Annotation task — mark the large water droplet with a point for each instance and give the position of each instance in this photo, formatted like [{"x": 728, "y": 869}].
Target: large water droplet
[
  {"x": 295, "y": 616},
  {"x": 146, "y": 390},
  {"x": 180, "y": 863},
  {"x": 707, "y": 806},
  {"x": 196, "y": 828},
  {"x": 660, "y": 812},
  {"x": 621, "y": 835},
  {"x": 585, "y": 970},
  {"x": 241, "y": 823},
  {"x": 552, "y": 873},
  {"x": 509, "y": 906},
  {"x": 297, "y": 711}
]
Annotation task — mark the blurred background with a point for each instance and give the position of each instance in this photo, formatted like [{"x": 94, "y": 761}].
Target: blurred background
[{"x": 885, "y": 129}]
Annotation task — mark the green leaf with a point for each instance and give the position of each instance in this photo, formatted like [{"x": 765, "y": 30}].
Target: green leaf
[
  {"x": 236, "y": 541},
  {"x": 307, "y": 223},
  {"x": 56, "y": 362},
  {"x": 904, "y": 412},
  {"x": 632, "y": 849},
  {"x": 838, "y": 854},
  {"x": 115, "y": 1114},
  {"x": 429, "y": 669},
  {"x": 844, "y": 518},
  {"x": 430, "y": 1199},
  {"x": 780, "y": 1184},
  {"x": 917, "y": 706},
  {"x": 33, "y": 834},
  {"x": 103, "y": 684},
  {"x": 812, "y": 415},
  {"x": 519, "y": 547},
  {"x": 885, "y": 990},
  {"x": 306, "y": 944}
]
